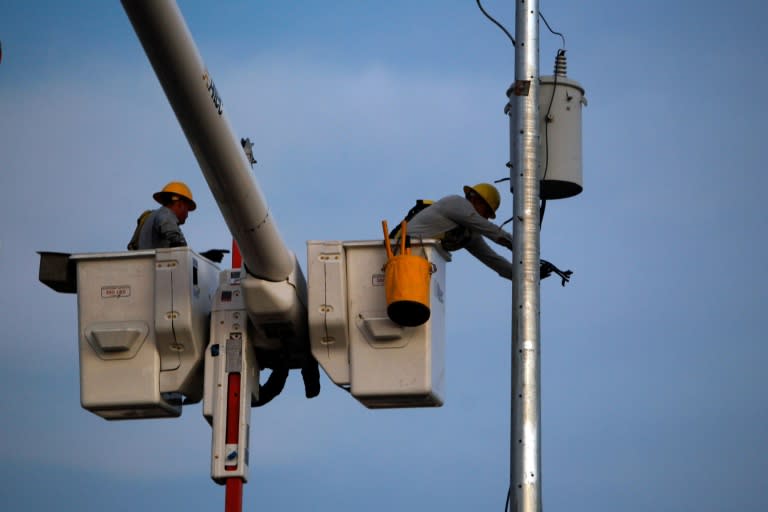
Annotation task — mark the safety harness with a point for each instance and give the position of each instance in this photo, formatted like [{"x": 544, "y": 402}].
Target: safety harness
[
  {"x": 133, "y": 245},
  {"x": 420, "y": 205}
]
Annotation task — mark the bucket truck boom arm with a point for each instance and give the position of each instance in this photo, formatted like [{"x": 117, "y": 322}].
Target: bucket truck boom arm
[{"x": 274, "y": 287}]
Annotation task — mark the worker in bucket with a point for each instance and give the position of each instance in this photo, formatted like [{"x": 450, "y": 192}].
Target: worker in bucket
[
  {"x": 462, "y": 223},
  {"x": 160, "y": 228}
]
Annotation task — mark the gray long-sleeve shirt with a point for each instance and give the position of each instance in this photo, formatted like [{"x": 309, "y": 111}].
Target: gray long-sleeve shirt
[
  {"x": 455, "y": 211},
  {"x": 160, "y": 230}
]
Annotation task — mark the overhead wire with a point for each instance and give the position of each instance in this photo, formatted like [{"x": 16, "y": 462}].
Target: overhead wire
[
  {"x": 496, "y": 23},
  {"x": 485, "y": 13},
  {"x": 550, "y": 29}
]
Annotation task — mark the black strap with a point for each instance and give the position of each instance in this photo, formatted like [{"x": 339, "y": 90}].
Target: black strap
[{"x": 420, "y": 205}]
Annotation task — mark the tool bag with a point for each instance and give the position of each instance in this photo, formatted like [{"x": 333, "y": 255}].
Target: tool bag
[{"x": 406, "y": 282}]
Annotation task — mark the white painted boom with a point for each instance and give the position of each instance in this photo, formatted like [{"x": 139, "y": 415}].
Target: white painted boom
[{"x": 199, "y": 108}]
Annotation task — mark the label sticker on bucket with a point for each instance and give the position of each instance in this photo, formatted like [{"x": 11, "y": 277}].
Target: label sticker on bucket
[
  {"x": 111, "y": 292},
  {"x": 377, "y": 280}
]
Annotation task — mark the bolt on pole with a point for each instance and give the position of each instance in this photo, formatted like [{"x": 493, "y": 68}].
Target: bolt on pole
[{"x": 525, "y": 431}]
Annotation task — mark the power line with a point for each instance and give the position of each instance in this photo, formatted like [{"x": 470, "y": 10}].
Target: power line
[{"x": 496, "y": 23}]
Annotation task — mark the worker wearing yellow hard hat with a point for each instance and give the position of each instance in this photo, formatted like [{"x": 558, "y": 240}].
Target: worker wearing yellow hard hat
[
  {"x": 488, "y": 197},
  {"x": 462, "y": 223},
  {"x": 175, "y": 191},
  {"x": 158, "y": 229}
]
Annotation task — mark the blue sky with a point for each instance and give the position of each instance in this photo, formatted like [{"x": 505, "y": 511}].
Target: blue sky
[{"x": 653, "y": 356}]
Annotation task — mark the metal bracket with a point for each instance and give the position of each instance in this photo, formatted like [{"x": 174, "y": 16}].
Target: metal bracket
[{"x": 521, "y": 87}]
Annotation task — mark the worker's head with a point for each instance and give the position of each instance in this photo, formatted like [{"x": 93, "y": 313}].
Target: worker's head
[
  {"x": 177, "y": 197},
  {"x": 485, "y": 198}
]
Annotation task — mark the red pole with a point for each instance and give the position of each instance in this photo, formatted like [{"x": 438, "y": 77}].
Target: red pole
[
  {"x": 233, "y": 493},
  {"x": 237, "y": 259},
  {"x": 233, "y": 499}
]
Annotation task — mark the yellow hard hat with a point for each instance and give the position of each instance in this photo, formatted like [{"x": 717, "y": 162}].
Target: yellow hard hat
[
  {"x": 489, "y": 193},
  {"x": 173, "y": 191}
]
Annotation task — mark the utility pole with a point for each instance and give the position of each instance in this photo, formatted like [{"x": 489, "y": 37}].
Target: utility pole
[{"x": 525, "y": 431}]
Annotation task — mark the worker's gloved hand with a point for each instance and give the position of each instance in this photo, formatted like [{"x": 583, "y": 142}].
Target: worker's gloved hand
[
  {"x": 215, "y": 255},
  {"x": 273, "y": 387},
  {"x": 546, "y": 269},
  {"x": 310, "y": 373}
]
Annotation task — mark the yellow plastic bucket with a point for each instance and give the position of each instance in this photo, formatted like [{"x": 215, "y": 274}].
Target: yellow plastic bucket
[
  {"x": 406, "y": 281},
  {"x": 406, "y": 284}
]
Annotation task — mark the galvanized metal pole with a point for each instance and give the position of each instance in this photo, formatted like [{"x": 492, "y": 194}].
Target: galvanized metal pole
[{"x": 525, "y": 431}]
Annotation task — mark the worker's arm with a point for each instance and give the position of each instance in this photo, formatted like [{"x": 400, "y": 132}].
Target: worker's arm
[
  {"x": 480, "y": 250},
  {"x": 167, "y": 225},
  {"x": 461, "y": 211}
]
